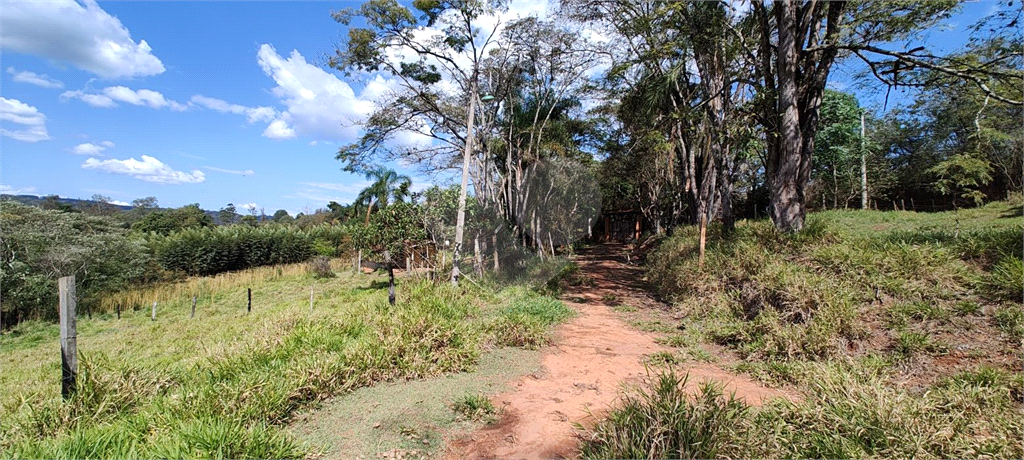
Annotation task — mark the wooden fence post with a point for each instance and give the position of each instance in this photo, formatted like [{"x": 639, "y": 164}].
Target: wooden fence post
[
  {"x": 68, "y": 336},
  {"x": 118, "y": 311},
  {"x": 153, "y": 317},
  {"x": 248, "y": 308},
  {"x": 193, "y": 307}
]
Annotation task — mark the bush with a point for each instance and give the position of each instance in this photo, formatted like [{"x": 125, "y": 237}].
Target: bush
[
  {"x": 209, "y": 251},
  {"x": 40, "y": 246},
  {"x": 320, "y": 267}
]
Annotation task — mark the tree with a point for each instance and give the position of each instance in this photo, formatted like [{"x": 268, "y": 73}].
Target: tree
[
  {"x": 960, "y": 176},
  {"x": 141, "y": 207},
  {"x": 387, "y": 233},
  {"x": 165, "y": 222},
  {"x": 422, "y": 107},
  {"x": 387, "y": 185},
  {"x": 52, "y": 202},
  {"x": 797, "y": 44},
  {"x": 99, "y": 205},
  {"x": 281, "y": 216},
  {"x": 227, "y": 214},
  {"x": 837, "y": 151}
]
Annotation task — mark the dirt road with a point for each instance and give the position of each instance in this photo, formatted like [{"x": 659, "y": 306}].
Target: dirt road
[{"x": 592, "y": 357}]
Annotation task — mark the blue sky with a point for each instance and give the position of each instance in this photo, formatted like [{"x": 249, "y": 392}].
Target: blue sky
[{"x": 197, "y": 102}]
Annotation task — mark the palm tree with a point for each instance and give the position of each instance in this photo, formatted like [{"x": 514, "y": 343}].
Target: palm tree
[{"x": 387, "y": 185}]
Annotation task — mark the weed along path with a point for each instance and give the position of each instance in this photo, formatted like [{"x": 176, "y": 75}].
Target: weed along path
[{"x": 592, "y": 357}]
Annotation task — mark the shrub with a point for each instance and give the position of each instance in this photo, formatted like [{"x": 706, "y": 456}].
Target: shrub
[
  {"x": 662, "y": 420},
  {"x": 475, "y": 407},
  {"x": 39, "y": 246},
  {"x": 209, "y": 251},
  {"x": 320, "y": 267}
]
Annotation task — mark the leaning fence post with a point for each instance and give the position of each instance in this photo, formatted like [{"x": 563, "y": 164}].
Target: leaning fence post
[{"x": 68, "y": 336}]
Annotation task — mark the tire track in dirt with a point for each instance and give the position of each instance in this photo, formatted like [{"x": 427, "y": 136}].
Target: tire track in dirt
[{"x": 593, "y": 355}]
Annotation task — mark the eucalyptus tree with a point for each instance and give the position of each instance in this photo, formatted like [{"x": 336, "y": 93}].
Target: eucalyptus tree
[
  {"x": 536, "y": 128},
  {"x": 443, "y": 59},
  {"x": 677, "y": 84},
  {"x": 434, "y": 59}
]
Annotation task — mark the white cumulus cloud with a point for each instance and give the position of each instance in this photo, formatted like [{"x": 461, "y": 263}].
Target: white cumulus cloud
[
  {"x": 148, "y": 169},
  {"x": 81, "y": 34},
  {"x": 31, "y": 122},
  {"x": 91, "y": 149},
  {"x": 111, "y": 95},
  {"x": 279, "y": 129},
  {"x": 33, "y": 78},
  {"x": 318, "y": 104},
  {"x": 95, "y": 100}
]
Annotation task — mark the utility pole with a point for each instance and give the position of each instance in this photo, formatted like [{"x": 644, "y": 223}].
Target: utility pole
[
  {"x": 863, "y": 167},
  {"x": 460, "y": 222}
]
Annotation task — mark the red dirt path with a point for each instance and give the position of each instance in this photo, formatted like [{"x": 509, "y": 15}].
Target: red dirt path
[{"x": 592, "y": 356}]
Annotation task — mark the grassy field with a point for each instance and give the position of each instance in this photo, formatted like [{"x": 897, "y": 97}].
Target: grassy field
[
  {"x": 224, "y": 383},
  {"x": 901, "y": 332}
]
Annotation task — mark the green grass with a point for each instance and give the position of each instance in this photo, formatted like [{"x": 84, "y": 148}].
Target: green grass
[
  {"x": 222, "y": 384},
  {"x": 845, "y": 414},
  {"x": 474, "y": 407},
  {"x": 871, "y": 316}
]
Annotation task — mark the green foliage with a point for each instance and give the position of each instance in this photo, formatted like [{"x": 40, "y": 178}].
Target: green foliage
[
  {"x": 525, "y": 320},
  {"x": 229, "y": 397},
  {"x": 39, "y": 246},
  {"x": 846, "y": 414},
  {"x": 387, "y": 185},
  {"x": 173, "y": 220},
  {"x": 1007, "y": 279},
  {"x": 962, "y": 175},
  {"x": 207, "y": 251},
  {"x": 389, "y": 230},
  {"x": 475, "y": 407},
  {"x": 663, "y": 420}
]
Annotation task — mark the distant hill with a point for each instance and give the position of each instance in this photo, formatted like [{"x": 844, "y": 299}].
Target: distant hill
[{"x": 32, "y": 200}]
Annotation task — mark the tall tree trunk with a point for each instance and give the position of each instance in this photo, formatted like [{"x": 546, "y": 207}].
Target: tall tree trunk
[
  {"x": 786, "y": 194},
  {"x": 864, "y": 167},
  {"x": 391, "y": 277},
  {"x": 460, "y": 222},
  {"x": 494, "y": 244},
  {"x": 478, "y": 257}
]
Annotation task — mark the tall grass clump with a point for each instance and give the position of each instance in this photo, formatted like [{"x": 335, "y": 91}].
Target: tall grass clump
[
  {"x": 763, "y": 302},
  {"x": 846, "y": 416},
  {"x": 663, "y": 419},
  {"x": 525, "y": 319}
]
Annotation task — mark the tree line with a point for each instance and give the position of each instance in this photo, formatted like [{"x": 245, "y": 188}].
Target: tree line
[{"x": 689, "y": 112}]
